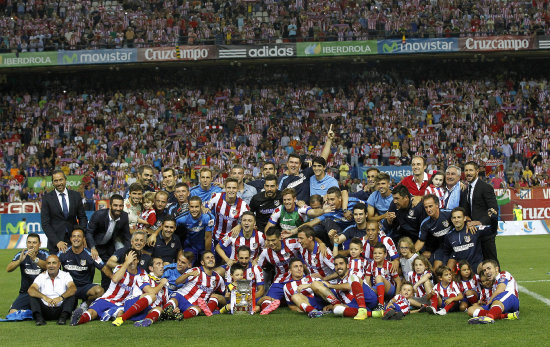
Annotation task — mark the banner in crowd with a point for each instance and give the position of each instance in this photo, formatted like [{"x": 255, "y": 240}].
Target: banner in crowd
[
  {"x": 19, "y": 241},
  {"x": 19, "y": 207},
  {"x": 409, "y": 46},
  {"x": 526, "y": 227},
  {"x": 395, "y": 172},
  {"x": 20, "y": 223},
  {"x": 544, "y": 42},
  {"x": 280, "y": 50},
  {"x": 176, "y": 53},
  {"x": 98, "y": 56},
  {"x": 40, "y": 183},
  {"x": 335, "y": 48},
  {"x": 496, "y": 43},
  {"x": 28, "y": 59}
]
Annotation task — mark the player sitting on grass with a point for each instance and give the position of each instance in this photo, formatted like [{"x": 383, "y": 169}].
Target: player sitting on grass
[
  {"x": 399, "y": 306},
  {"x": 299, "y": 294},
  {"x": 504, "y": 303},
  {"x": 198, "y": 292},
  {"x": 146, "y": 308},
  {"x": 122, "y": 285},
  {"x": 446, "y": 294}
]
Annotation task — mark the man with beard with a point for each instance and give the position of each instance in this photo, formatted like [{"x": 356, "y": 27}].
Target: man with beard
[
  {"x": 202, "y": 291},
  {"x": 265, "y": 202},
  {"x": 168, "y": 183},
  {"x": 132, "y": 204},
  {"x": 104, "y": 227},
  {"x": 267, "y": 170}
]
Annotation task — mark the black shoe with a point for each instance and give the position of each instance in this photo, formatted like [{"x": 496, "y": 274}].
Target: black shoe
[
  {"x": 40, "y": 321},
  {"x": 62, "y": 319}
]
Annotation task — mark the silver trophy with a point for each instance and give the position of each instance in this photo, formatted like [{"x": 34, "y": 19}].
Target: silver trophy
[{"x": 243, "y": 297}]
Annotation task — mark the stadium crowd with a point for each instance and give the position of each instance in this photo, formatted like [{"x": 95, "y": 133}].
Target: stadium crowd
[
  {"x": 381, "y": 117},
  {"x": 38, "y": 25}
]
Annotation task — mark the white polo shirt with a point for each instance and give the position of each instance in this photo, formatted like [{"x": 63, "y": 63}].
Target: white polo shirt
[{"x": 53, "y": 288}]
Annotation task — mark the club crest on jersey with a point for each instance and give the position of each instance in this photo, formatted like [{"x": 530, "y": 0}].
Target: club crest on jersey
[
  {"x": 411, "y": 213},
  {"x": 83, "y": 262},
  {"x": 276, "y": 203},
  {"x": 173, "y": 244},
  {"x": 233, "y": 211},
  {"x": 445, "y": 223},
  {"x": 466, "y": 238},
  {"x": 142, "y": 262}
]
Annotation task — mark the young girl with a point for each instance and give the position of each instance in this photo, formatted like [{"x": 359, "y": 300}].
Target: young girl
[
  {"x": 446, "y": 294},
  {"x": 421, "y": 279},
  {"x": 408, "y": 255},
  {"x": 381, "y": 276},
  {"x": 435, "y": 186},
  {"x": 400, "y": 305},
  {"x": 148, "y": 217},
  {"x": 468, "y": 283}
]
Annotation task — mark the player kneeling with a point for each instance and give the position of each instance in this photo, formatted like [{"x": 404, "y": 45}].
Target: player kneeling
[{"x": 146, "y": 308}]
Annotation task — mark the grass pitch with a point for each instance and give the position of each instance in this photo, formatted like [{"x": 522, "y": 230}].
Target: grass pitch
[{"x": 526, "y": 257}]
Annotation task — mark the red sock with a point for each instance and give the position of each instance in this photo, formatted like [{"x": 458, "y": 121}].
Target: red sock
[
  {"x": 190, "y": 313},
  {"x": 380, "y": 289},
  {"x": 350, "y": 312},
  {"x": 307, "y": 308},
  {"x": 472, "y": 299},
  {"x": 85, "y": 318},
  {"x": 153, "y": 315},
  {"x": 333, "y": 301},
  {"x": 482, "y": 313},
  {"x": 213, "y": 304},
  {"x": 357, "y": 290},
  {"x": 265, "y": 304},
  {"x": 136, "y": 308},
  {"x": 450, "y": 306},
  {"x": 495, "y": 312},
  {"x": 434, "y": 301}
]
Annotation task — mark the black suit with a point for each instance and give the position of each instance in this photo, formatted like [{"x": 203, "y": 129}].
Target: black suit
[
  {"x": 55, "y": 225},
  {"x": 95, "y": 233},
  {"x": 483, "y": 199}
]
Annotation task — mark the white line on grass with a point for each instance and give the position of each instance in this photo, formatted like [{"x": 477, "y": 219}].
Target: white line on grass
[
  {"x": 535, "y": 281},
  {"x": 534, "y": 295}
]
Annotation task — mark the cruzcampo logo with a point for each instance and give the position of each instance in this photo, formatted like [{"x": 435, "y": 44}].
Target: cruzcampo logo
[
  {"x": 69, "y": 59},
  {"x": 389, "y": 49}
]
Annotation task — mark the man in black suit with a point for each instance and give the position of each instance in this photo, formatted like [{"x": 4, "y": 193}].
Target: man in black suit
[
  {"x": 60, "y": 210},
  {"x": 480, "y": 203},
  {"x": 105, "y": 226}
]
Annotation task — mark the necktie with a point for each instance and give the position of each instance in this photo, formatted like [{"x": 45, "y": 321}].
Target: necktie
[{"x": 64, "y": 205}]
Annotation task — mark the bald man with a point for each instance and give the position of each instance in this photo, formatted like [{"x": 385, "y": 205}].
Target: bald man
[{"x": 52, "y": 294}]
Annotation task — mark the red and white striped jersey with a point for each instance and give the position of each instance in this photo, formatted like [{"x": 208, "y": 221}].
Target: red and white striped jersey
[
  {"x": 368, "y": 249},
  {"x": 386, "y": 271},
  {"x": 291, "y": 288},
  {"x": 413, "y": 277},
  {"x": 316, "y": 263},
  {"x": 145, "y": 280},
  {"x": 485, "y": 293},
  {"x": 506, "y": 278},
  {"x": 446, "y": 292},
  {"x": 290, "y": 248},
  {"x": 255, "y": 243},
  {"x": 358, "y": 266},
  {"x": 345, "y": 296},
  {"x": 437, "y": 191},
  {"x": 402, "y": 302},
  {"x": 201, "y": 286},
  {"x": 226, "y": 216},
  {"x": 471, "y": 284},
  {"x": 253, "y": 273},
  {"x": 118, "y": 292}
]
